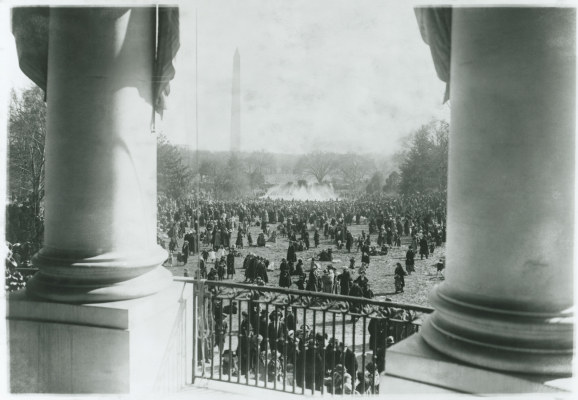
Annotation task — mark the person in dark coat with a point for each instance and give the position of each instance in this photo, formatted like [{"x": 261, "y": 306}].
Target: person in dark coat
[
  {"x": 221, "y": 329},
  {"x": 400, "y": 273},
  {"x": 349, "y": 242},
  {"x": 316, "y": 237},
  {"x": 275, "y": 330},
  {"x": 251, "y": 271},
  {"x": 291, "y": 268},
  {"x": 355, "y": 291},
  {"x": 365, "y": 257},
  {"x": 262, "y": 270},
  {"x": 230, "y": 265},
  {"x": 301, "y": 282},
  {"x": 221, "y": 268},
  {"x": 350, "y": 359},
  {"x": 239, "y": 242},
  {"x": 285, "y": 279},
  {"x": 344, "y": 282},
  {"x": 185, "y": 251},
  {"x": 291, "y": 256},
  {"x": 423, "y": 248},
  {"x": 410, "y": 261},
  {"x": 314, "y": 281},
  {"x": 290, "y": 320},
  {"x": 362, "y": 280},
  {"x": 299, "y": 268},
  {"x": 284, "y": 267}
]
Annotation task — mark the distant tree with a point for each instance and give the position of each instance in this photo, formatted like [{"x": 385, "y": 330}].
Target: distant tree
[
  {"x": 375, "y": 183},
  {"x": 208, "y": 170},
  {"x": 26, "y": 137},
  {"x": 354, "y": 169},
  {"x": 256, "y": 180},
  {"x": 317, "y": 165},
  {"x": 392, "y": 182},
  {"x": 231, "y": 180},
  {"x": 256, "y": 165},
  {"x": 424, "y": 167},
  {"x": 258, "y": 161},
  {"x": 173, "y": 177}
]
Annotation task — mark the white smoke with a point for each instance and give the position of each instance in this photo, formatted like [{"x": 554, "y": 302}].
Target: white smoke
[{"x": 290, "y": 191}]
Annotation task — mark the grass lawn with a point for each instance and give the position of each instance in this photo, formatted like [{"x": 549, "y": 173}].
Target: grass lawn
[{"x": 380, "y": 273}]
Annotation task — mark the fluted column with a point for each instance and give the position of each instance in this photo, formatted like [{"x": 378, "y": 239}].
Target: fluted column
[
  {"x": 506, "y": 303},
  {"x": 100, "y": 207}
]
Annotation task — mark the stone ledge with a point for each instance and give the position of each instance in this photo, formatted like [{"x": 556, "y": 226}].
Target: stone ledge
[
  {"x": 137, "y": 346},
  {"x": 413, "y": 360},
  {"x": 112, "y": 315}
]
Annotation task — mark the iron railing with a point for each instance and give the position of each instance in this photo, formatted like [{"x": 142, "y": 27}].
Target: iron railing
[{"x": 294, "y": 341}]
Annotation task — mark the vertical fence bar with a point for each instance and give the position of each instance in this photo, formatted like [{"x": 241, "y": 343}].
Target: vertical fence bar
[
  {"x": 363, "y": 352},
  {"x": 314, "y": 351},
  {"x": 248, "y": 339},
  {"x": 354, "y": 372},
  {"x": 218, "y": 323},
  {"x": 266, "y": 342},
  {"x": 211, "y": 325},
  {"x": 294, "y": 350},
  {"x": 285, "y": 354},
  {"x": 387, "y": 323},
  {"x": 334, "y": 350},
  {"x": 240, "y": 334},
  {"x": 304, "y": 357},
  {"x": 202, "y": 330},
  {"x": 231, "y": 358},
  {"x": 323, "y": 352},
  {"x": 195, "y": 333}
]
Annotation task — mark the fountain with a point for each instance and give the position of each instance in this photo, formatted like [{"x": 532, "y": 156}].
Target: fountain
[{"x": 301, "y": 191}]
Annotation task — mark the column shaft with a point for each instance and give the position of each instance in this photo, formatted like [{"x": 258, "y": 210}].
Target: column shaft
[
  {"x": 507, "y": 300},
  {"x": 100, "y": 227}
]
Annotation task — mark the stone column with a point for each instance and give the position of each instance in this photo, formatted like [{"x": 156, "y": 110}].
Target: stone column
[
  {"x": 113, "y": 322},
  {"x": 100, "y": 207},
  {"x": 506, "y": 303}
]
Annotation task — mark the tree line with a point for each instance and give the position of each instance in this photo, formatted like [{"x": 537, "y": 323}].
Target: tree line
[{"x": 420, "y": 166}]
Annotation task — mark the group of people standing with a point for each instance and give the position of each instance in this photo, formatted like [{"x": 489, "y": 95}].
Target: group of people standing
[{"x": 271, "y": 344}]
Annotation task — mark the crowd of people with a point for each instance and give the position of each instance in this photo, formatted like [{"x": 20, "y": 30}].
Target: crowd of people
[
  {"x": 270, "y": 345},
  {"x": 226, "y": 223}
]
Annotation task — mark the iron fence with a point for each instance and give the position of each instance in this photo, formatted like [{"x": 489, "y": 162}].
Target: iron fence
[{"x": 292, "y": 340}]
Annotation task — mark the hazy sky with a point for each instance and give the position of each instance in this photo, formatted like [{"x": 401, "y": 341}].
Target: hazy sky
[
  {"x": 315, "y": 75},
  {"x": 324, "y": 75}
]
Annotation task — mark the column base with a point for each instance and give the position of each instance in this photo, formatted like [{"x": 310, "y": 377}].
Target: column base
[
  {"x": 108, "y": 277},
  {"x": 414, "y": 361},
  {"x": 135, "y": 346},
  {"x": 491, "y": 336}
]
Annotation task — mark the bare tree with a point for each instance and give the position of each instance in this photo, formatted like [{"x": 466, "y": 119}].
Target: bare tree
[
  {"x": 318, "y": 165},
  {"x": 258, "y": 162},
  {"x": 354, "y": 169},
  {"x": 26, "y": 135}
]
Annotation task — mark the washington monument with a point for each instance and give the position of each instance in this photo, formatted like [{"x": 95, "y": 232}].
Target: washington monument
[{"x": 236, "y": 104}]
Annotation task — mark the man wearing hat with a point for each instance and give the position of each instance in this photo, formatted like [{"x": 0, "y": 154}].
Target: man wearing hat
[
  {"x": 352, "y": 263},
  {"x": 362, "y": 279},
  {"x": 275, "y": 330},
  {"x": 410, "y": 260},
  {"x": 243, "y": 347},
  {"x": 344, "y": 282}
]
